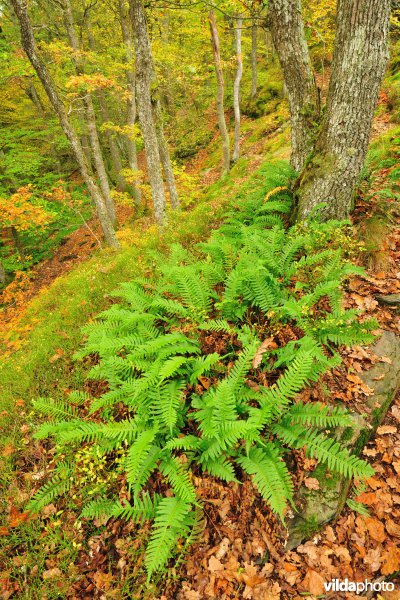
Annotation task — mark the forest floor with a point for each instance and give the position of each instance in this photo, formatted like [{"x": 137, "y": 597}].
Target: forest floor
[{"x": 241, "y": 553}]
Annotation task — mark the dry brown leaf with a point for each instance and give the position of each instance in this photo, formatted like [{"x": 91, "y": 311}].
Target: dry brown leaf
[
  {"x": 313, "y": 582},
  {"x": 251, "y": 576},
  {"x": 215, "y": 565},
  {"x": 396, "y": 466},
  {"x": 375, "y": 528},
  {"x": 266, "y": 344},
  {"x": 368, "y": 498},
  {"x": 103, "y": 581},
  {"x": 392, "y": 528},
  {"x": 386, "y": 429},
  {"x": 391, "y": 561},
  {"x": 52, "y": 573},
  {"x": 312, "y": 483}
]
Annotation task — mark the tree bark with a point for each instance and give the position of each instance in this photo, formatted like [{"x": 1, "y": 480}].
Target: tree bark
[
  {"x": 29, "y": 45},
  {"x": 89, "y": 113},
  {"x": 164, "y": 155},
  {"x": 144, "y": 75},
  {"x": 254, "y": 74},
  {"x": 236, "y": 89},
  {"x": 116, "y": 160},
  {"x": 2, "y": 275},
  {"x": 288, "y": 37},
  {"x": 359, "y": 62},
  {"x": 226, "y": 152},
  {"x": 131, "y": 102}
]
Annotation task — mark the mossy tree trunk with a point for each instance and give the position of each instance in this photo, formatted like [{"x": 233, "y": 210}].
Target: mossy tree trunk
[
  {"x": 90, "y": 115},
  {"x": 288, "y": 37},
  {"x": 144, "y": 78},
  {"x": 359, "y": 62},
  {"x": 226, "y": 151},
  {"x": 254, "y": 73},
  {"x": 236, "y": 89},
  {"x": 30, "y": 47},
  {"x": 126, "y": 29}
]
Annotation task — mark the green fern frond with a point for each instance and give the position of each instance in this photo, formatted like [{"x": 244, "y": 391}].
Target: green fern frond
[{"x": 270, "y": 475}]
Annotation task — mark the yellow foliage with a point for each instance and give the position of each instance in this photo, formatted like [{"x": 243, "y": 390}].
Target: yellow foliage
[{"x": 19, "y": 212}]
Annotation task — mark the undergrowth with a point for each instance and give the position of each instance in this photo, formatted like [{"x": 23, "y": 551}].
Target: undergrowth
[{"x": 199, "y": 379}]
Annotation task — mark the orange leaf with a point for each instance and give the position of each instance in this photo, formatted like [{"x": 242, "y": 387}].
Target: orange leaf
[
  {"x": 375, "y": 528},
  {"x": 391, "y": 561}
]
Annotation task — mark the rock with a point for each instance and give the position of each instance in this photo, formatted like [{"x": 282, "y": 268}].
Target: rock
[
  {"x": 389, "y": 299},
  {"x": 318, "y": 507}
]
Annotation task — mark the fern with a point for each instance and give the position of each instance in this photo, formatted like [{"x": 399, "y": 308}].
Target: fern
[
  {"x": 270, "y": 476},
  {"x": 170, "y": 523},
  {"x": 207, "y": 313},
  {"x": 59, "y": 484}
]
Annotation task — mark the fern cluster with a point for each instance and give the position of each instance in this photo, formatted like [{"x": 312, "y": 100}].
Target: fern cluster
[{"x": 250, "y": 278}]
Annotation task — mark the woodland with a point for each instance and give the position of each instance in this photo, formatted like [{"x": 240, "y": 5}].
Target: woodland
[{"x": 199, "y": 299}]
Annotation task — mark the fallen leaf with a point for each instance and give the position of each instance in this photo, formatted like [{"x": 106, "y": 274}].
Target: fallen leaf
[
  {"x": 215, "y": 565},
  {"x": 103, "y": 580},
  {"x": 386, "y": 429},
  {"x": 52, "y": 573},
  {"x": 392, "y": 528},
  {"x": 375, "y": 528},
  {"x": 391, "y": 561},
  {"x": 266, "y": 344},
  {"x": 311, "y": 483},
  {"x": 313, "y": 582}
]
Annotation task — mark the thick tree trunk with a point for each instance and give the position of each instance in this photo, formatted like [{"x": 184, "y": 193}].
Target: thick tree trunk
[
  {"x": 126, "y": 29},
  {"x": 254, "y": 74},
  {"x": 288, "y": 37},
  {"x": 359, "y": 62},
  {"x": 29, "y": 45},
  {"x": 236, "y": 89},
  {"x": 226, "y": 152},
  {"x": 144, "y": 75}
]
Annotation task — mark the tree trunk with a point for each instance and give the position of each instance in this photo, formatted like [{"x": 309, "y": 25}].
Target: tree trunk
[
  {"x": 98, "y": 155},
  {"x": 164, "y": 155},
  {"x": 288, "y": 36},
  {"x": 236, "y": 89},
  {"x": 89, "y": 112},
  {"x": 144, "y": 74},
  {"x": 226, "y": 152},
  {"x": 29, "y": 45},
  {"x": 18, "y": 244},
  {"x": 2, "y": 275},
  {"x": 116, "y": 160},
  {"x": 131, "y": 102},
  {"x": 254, "y": 60},
  {"x": 359, "y": 62}
]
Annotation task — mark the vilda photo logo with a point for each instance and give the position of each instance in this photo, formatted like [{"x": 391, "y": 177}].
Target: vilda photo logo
[{"x": 336, "y": 585}]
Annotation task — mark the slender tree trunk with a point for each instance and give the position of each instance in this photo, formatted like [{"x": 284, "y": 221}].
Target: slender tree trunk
[
  {"x": 226, "y": 152},
  {"x": 288, "y": 36},
  {"x": 89, "y": 113},
  {"x": 29, "y": 45},
  {"x": 98, "y": 155},
  {"x": 164, "y": 155},
  {"x": 254, "y": 74},
  {"x": 359, "y": 62},
  {"x": 236, "y": 89},
  {"x": 2, "y": 275},
  {"x": 144, "y": 75},
  {"x": 126, "y": 29},
  {"x": 116, "y": 160},
  {"x": 18, "y": 243}
]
